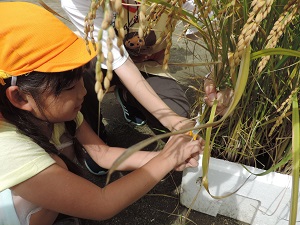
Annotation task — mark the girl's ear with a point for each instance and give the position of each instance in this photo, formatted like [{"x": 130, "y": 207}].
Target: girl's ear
[{"x": 18, "y": 99}]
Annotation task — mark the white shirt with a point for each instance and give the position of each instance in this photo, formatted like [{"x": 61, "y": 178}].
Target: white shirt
[{"x": 146, "y": 53}]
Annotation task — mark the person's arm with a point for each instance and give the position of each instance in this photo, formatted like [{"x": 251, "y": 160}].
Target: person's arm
[
  {"x": 59, "y": 190},
  {"x": 105, "y": 155},
  {"x": 143, "y": 92}
]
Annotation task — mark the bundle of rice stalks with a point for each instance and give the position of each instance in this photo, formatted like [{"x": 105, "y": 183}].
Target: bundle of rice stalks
[
  {"x": 259, "y": 130},
  {"x": 262, "y": 129}
]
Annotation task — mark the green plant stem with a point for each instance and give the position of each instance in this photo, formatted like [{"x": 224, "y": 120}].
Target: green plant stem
[{"x": 295, "y": 171}]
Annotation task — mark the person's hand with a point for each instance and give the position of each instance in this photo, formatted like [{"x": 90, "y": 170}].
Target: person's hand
[
  {"x": 183, "y": 151},
  {"x": 223, "y": 97}
]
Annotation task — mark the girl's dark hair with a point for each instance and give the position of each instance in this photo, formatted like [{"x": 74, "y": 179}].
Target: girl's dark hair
[{"x": 35, "y": 84}]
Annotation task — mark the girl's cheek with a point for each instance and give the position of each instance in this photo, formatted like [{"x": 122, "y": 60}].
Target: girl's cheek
[{"x": 82, "y": 90}]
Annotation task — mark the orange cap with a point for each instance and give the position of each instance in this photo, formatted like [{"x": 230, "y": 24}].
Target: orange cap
[{"x": 33, "y": 39}]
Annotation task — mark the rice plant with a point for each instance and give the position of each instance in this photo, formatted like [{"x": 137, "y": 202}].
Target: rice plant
[
  {"x": 259, "y": 130},
  {"x": 263, "y": 128}
]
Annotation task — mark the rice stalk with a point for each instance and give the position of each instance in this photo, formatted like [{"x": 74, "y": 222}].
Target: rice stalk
[
  {"x": 296, "y": 152},
  {"x": 283, "y": 21},
  {"x": 260, "y": 10},
  {"x": 113, "y": 14}
]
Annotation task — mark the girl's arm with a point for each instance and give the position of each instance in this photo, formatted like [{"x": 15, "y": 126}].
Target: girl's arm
[
  {"x": 105, "y": 155},
  {"x": 61, "y": 191},
  {"x": 143, "y": 92}
]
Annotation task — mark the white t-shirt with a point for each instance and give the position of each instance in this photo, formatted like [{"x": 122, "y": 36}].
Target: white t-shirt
[
  {"x": 146, "y": 53},
  {"x": 77, "y": 11}
]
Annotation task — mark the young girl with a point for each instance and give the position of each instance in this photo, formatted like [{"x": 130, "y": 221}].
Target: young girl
[{"x": 41, "y": 92}]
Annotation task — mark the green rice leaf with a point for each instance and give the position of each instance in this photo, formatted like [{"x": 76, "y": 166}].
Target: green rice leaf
[{"x": 296, "y": 151}]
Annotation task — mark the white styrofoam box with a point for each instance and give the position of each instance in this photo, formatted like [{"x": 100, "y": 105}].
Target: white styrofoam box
[{"x": 261, "y": 200}]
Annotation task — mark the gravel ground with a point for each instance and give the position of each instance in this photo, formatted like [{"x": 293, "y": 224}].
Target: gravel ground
[{"x": 161, "y": 206}]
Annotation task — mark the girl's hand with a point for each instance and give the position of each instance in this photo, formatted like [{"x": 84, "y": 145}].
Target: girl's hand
[
  {"x": 193, "y": 161},
  {"x": 182, "y": 151}
]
